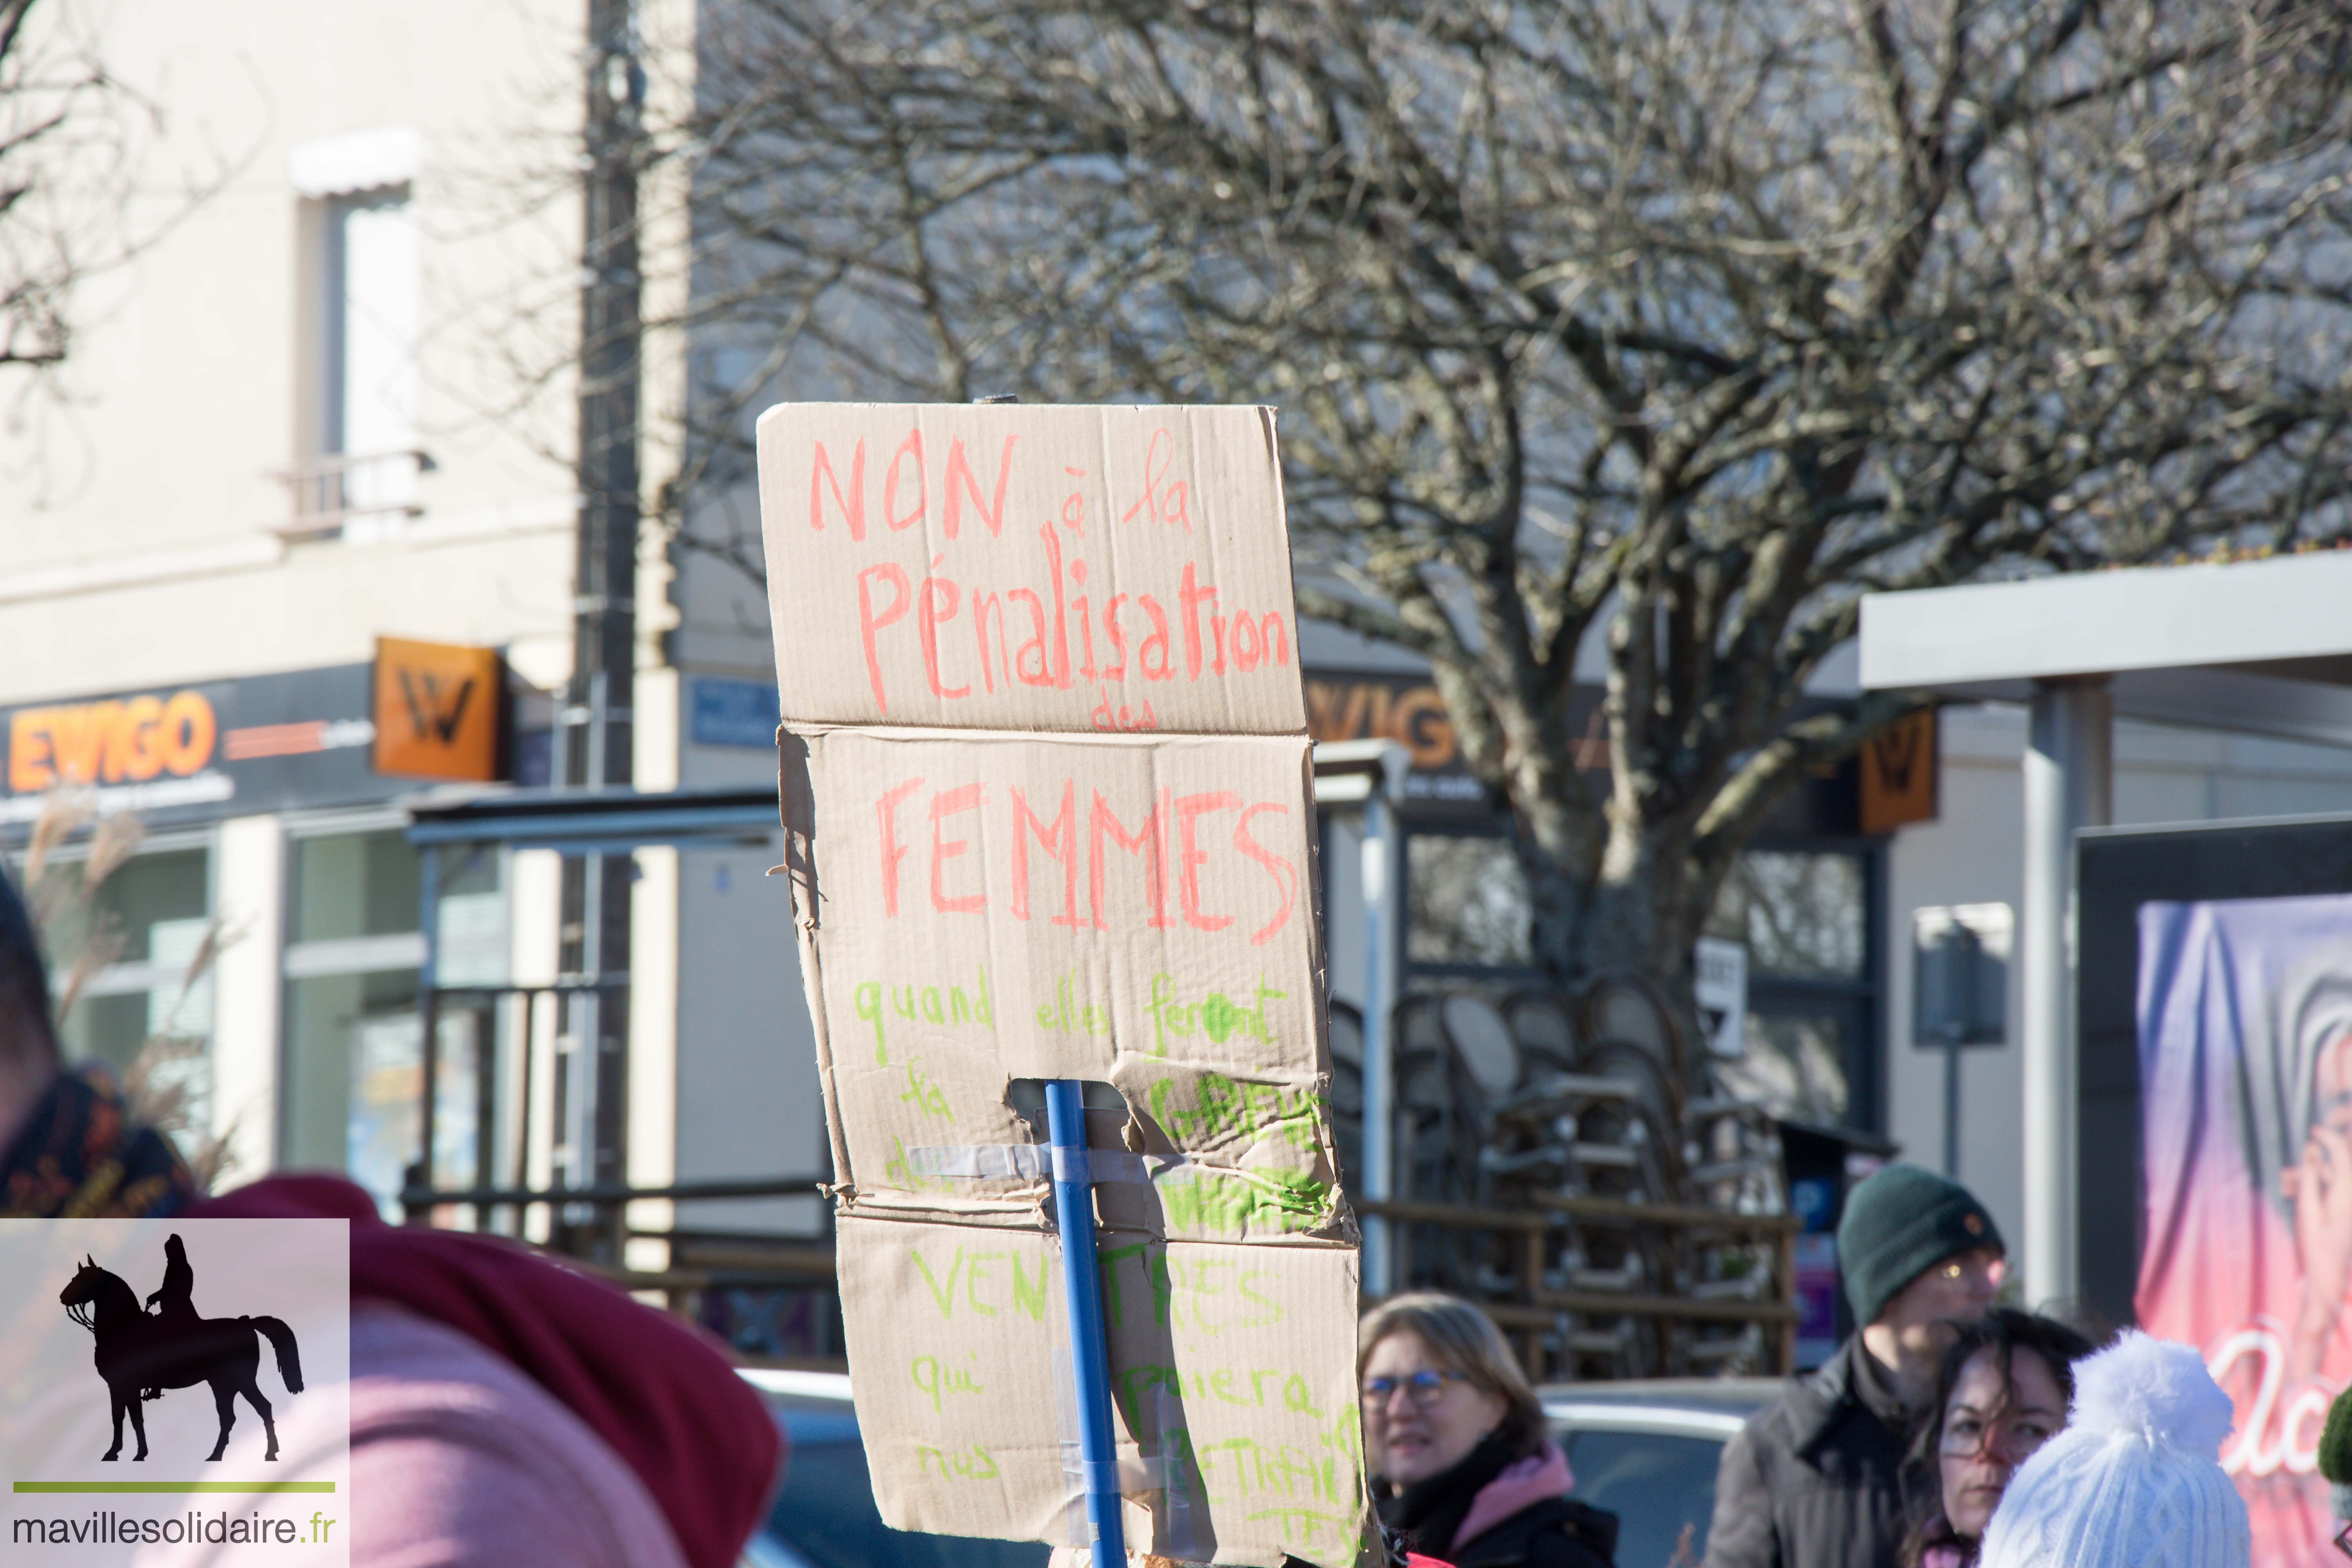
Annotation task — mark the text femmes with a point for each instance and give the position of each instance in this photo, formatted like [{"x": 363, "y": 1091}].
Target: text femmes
[{"x": 1175, "y": 834}]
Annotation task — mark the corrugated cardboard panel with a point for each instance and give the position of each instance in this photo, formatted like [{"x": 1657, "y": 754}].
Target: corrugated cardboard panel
[
  {"x": 1071, "y": 569},
  {"x": 1057, "y": 903},
  {"x": 1236, "y": 1419},
  {"x": 1124, "y": 910}
]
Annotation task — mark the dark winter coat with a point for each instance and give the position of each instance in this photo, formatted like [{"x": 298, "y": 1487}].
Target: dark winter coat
[
  {"x": 1815, "y": 1479},
  {"x": 1556, "y": 1532}
]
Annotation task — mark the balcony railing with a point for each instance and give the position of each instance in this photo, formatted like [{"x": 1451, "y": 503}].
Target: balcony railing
[{"x": 353, "y": 495}]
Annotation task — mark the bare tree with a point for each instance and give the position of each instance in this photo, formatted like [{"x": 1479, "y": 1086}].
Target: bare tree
[
  {"x": 71, "y": 138},
  {"x": 1678, "y": 324}
]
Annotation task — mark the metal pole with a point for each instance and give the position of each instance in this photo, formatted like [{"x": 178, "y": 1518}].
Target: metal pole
[
  {"x": 1066, "y": 1126},
  {"x": 2069, "y": 784},
  {"x": 1382, "y": 882},
  {"x": 428, "y": 979},
  {"x": 599, "y": 712},
  {"x": 1952, "y": 1103}
]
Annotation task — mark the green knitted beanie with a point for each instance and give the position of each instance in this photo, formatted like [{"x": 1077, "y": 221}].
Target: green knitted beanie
[
  {"x": 2336, "y": 1454},
  {"x": 1898, "y": 1224}
]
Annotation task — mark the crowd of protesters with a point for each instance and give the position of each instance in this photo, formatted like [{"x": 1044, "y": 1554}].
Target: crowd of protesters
[
  {"x": 1946, "y": 1432},
  {"x": 504, "y": 1409}
]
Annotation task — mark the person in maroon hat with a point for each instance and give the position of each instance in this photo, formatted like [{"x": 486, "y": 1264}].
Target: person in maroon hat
[{"x": 505, "y": 1410}]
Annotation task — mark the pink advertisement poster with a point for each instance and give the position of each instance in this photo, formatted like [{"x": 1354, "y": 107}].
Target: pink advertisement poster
[{"x": 2245, "y": 1055}]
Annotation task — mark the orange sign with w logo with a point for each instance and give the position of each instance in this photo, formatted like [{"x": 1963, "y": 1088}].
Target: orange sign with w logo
[
  {"x": 437, "y": 710},
  {"x": 1902, "y": 767}
]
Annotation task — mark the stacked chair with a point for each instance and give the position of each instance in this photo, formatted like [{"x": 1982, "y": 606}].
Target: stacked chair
[{"x": 1535, "y": 1103}]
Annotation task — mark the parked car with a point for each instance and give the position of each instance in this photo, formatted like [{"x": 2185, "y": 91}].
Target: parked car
[
  {"x": 824, "y": 1516},
  {"x": 1646, "y": 1451}
]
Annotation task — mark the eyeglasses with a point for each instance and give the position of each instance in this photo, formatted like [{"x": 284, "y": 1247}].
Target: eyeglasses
[
  {"x": 2012, "y": 1442},
  {"x": 1424, "y": 1388},
  {"x": 2343, "y": 1539}
]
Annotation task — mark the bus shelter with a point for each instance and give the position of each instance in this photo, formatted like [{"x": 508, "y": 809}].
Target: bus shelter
[{"x": 2259, "y": 648}]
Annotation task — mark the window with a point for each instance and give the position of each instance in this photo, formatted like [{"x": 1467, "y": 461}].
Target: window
[
  {"x": 372, "y": 349},
  {"x": 1468, "y": 901},
  {"x": 1799, "y": 914},
  {"x": 1803, "y": 914},
  {"x": 1810, "y": 1033},
  {"x": 1797, "y": 1063},
  {"x": 135, "y": 940},
  {"x": 354, "y": 1059},
  {"x": 362, "y": 480}
]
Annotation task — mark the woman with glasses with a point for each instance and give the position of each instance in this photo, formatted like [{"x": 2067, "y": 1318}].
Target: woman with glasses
[
  {"x": 1463, "y": 1469},
  {"x": 2006, "y": 1385}
]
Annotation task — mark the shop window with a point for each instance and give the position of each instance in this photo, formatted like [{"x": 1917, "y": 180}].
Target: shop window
[
  {"x": 1809, "y": 1034},
  {"x": 1467, "y": 902},
  {"x": 134, "y": 943},
  {"x": 1800, "y": 915},
  {"x": 353, "y": 1036},
  {"x": 1796, "y": 1063},
  {"x": 354, "y": 885}
]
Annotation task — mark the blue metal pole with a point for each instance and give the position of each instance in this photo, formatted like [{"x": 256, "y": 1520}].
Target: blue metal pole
[{"x": 1066, "y": 1126}]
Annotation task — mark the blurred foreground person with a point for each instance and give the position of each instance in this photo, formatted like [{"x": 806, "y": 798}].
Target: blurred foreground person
[
  {"x": 2136, "y": 1480},
  {"x": 504, "y": 1409},
  {"x": 67, "y": 1145},
  {"x": 1463, "y": 1469},
  {"x": 1815, "y": 1479},
  {"x": 2007, "y": 1383},
  {"x": 507, "y": 1410}
]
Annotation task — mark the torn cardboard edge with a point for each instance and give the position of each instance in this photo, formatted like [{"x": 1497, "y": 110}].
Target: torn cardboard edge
[{"x": 1185, "y": 1200}]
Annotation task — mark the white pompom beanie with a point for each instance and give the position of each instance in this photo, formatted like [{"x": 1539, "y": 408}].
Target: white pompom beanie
[{"x": 2136, "y": 1480}]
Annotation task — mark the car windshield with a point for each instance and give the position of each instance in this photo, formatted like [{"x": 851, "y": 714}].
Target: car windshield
[
  {"x": 825, "y": 1515},
  {"x": 1658, "y": 1485}
]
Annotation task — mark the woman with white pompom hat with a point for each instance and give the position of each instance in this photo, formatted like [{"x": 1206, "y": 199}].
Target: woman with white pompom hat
[{"x": 2136, "y": 1482}]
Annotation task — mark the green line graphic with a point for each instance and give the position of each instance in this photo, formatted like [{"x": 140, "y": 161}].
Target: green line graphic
[{"x": 177, "y": 1488}]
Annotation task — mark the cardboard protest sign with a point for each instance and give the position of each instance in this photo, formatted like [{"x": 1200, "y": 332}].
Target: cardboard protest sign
[
  {"x": 1095, "y": 570},
  {"x": 1239, "y": 1438},
  {"x": 1050, "y": 816}
]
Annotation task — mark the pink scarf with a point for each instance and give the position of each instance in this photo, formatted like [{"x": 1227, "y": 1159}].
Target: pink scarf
[{"x": 1531, "y": 1480}]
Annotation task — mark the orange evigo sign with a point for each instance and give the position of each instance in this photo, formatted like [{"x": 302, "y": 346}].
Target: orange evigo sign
[{"x": 120, "y": 740}]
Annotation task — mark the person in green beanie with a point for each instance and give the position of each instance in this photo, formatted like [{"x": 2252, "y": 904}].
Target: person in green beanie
[
  {"x": 1816, "y": 1478},
  {"x": 2335, "y": 1466}
]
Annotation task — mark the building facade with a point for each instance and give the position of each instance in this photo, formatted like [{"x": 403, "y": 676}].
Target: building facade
[{"x": 329, "y": 405}]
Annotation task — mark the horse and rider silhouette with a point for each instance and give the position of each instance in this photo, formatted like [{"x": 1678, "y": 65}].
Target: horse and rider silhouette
[{"x": 140, "y": 1354}]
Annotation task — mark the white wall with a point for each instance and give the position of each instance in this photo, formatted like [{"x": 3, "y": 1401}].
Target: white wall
[
  {"x": 748, "y": 1101},
  {"x": 1973, "y": 853},
  {"x": 138, "y": 524},
  {"x": 248, "y": 884}
]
